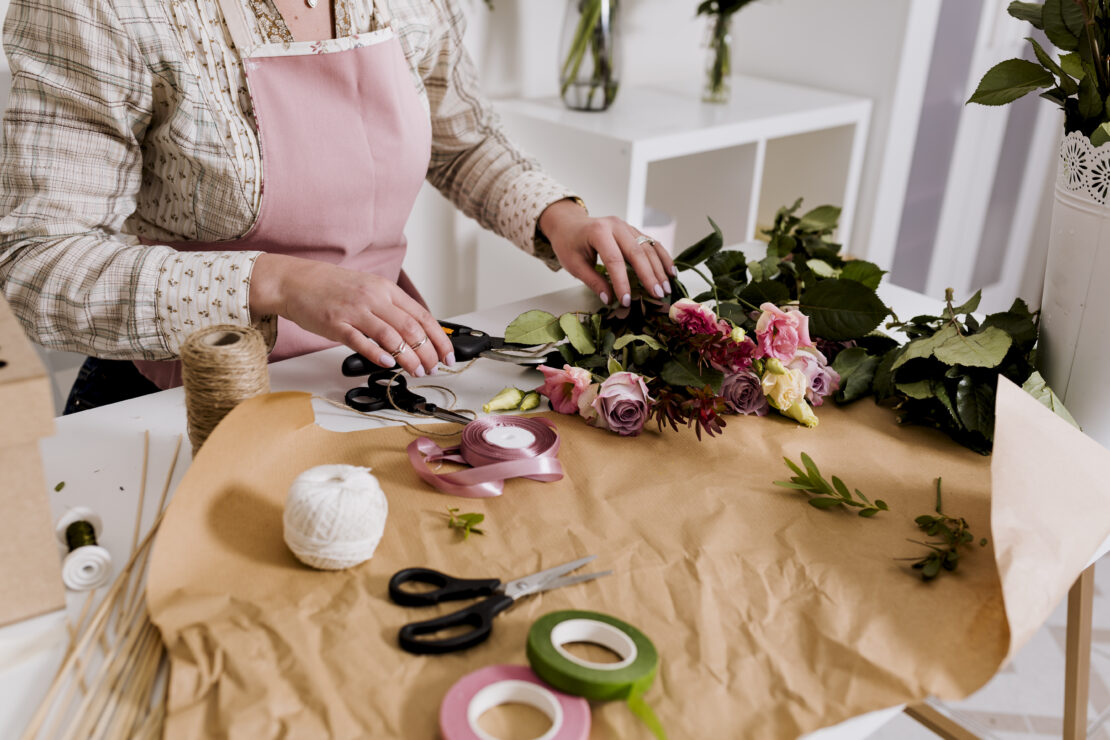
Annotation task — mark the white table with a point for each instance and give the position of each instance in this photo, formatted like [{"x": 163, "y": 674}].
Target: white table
[{"x": 98, "y": 453}]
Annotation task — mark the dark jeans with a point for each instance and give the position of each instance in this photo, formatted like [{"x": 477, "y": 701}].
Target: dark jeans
[{"x": 101, "y": 382}]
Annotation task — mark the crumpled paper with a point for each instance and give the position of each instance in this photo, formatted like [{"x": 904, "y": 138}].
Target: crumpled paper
[{"x": 772, "y": 618}]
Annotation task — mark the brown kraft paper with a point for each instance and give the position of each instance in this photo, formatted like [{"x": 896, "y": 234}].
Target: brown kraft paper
[{"x": 772, "y": 618}]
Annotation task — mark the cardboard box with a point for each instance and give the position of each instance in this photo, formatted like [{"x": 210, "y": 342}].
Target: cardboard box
[{"x": 30, "y": 569}]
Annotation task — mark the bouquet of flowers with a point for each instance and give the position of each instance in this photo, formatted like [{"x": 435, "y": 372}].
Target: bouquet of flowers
[{"x": 746, "y": 346}]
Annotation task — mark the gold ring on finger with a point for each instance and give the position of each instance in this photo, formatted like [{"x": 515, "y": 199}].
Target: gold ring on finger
[
  {"x": 644, "y": 239},
  {"x": 402, "y": 348},
  {"x": 419, "y": 344}
]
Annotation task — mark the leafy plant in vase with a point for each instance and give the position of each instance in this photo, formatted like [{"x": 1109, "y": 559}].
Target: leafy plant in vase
[
  {"x": 1075, "y": 307},
  {"x": 718, "y": 87}
]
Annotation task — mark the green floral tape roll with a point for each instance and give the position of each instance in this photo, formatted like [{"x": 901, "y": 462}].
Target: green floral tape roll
[{"x": 628, "y": 679}]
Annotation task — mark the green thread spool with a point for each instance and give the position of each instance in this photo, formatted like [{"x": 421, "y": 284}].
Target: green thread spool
[{"x": 87, "y": 565}]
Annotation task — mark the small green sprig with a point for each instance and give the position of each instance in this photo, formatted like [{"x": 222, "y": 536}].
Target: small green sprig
[
  {"x": 465, "y": 523},
  {"x": 826, "y": 496},
  {"x": 944, "y": 553}
]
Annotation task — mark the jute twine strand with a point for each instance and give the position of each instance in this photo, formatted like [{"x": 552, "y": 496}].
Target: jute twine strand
[{"x": 221, "y": 366}]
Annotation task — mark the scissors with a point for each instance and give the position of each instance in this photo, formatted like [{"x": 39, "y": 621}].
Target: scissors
[
  {"x": 384, "y": 386},
  {"x": 467, "y": 344},
  {"x": 479, "y": 615}
]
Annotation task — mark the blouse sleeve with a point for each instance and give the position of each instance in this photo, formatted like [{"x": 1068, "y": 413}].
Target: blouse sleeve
[
  {"x": 473, "y": 163},
  {"x": 70, "y": 169}
]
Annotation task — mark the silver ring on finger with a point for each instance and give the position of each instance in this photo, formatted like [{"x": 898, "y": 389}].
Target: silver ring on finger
[
  {"x": 645, "y": 239},
  {"x": 402, "y": 348},
  {"x": 419, "y": 344}
]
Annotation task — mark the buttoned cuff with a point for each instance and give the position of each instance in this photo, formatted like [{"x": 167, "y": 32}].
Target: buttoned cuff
[
  {"x": 519, "y": 213},
  {"x": 201, "y": 289}
]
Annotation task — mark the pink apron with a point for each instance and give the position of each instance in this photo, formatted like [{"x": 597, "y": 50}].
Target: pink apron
[{"x": 345, "y": 143}]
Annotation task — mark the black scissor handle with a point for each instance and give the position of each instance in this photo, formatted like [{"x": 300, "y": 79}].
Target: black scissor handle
[
  {"x": 479, "y": 616},
  {"x": 356, "y": 366},
  {"x": 468, "y": 343},
  {"x": 447, "y": 588},
  {"x": 364, "y": 399}
]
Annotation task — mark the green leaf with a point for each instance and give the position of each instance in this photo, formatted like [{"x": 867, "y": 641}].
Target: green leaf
[
  {"x": 797, "y": 471},
  {"x": 822, "y": 218},
  {"x": 534, "y": 327},
  {"x": 841, "y": 488},
  {"x": 577, "y": 334},
  {"x": 734, "y": 312},
  {"x": 1101, "y": 135},
  {"x": 60, "y": 486},
  {"x": 1007, "y": 81},
  {"x": 883, "y": 383},
  {"x": 728, "y": 264},
  {"x": 815, "y": 474},
  {"x": 683, "y": 372},
  {"x": 857, "y": 370},
  {"x": 868, "y": 513},
  {"x": 1019, "y": 326},
  {"x": 842, "y": 309},
  {"x": 1072, "y": 14},
  {"x": 1067, "y": 84},
  {"x": 765, "y": 291},
  {"x": 1028, "y": 12},
  {"x": 946, "y": 400},
  {"x": 986, "y": 349},
  {"x": 595, "y": 322},
  {"x": 1056, "y": 28},
  {"x": 824, "y": 503},
  {"x": 703, "y": 250},
  {"x": 628, "y": 339},
  {"x": 821, "y": 268},
  {"x": 975, "y": 405},
  {"x": 921, "y": 389},
  {"x": 792, "y": 486},
  {"x": 1036, "y": 387},
  {"x": 931, "y": 569},
  {"x": 864, "y": 272},
  {"x": 613, "y": 366},
  {"x": 1091, "y": 104},
  {"x": 1072, "y": 64},
  {"x": 969, "y": 306}
]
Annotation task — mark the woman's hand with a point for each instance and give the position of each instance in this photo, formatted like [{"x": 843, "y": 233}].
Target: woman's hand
[
  {"x": 368, "y": 313},
  {"x": 578, "y": 240}
]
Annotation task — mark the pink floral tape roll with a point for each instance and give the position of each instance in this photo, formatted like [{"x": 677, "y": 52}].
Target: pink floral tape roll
[{"x": 477, "y": 692}]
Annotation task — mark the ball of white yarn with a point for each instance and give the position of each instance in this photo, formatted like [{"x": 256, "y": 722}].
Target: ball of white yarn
[{"x": 334, "y": 516}]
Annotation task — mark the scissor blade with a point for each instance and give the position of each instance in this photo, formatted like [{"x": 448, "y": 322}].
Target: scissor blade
[
  {"x": 571, "y": 580},
  {"x": 524, "y": 358},
  {"x": 538, "y": 581},
  {"x": 430, "y": 409}
]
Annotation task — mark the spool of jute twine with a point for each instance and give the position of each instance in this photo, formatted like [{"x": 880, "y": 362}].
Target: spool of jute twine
[{"x": 221, "y": 366}]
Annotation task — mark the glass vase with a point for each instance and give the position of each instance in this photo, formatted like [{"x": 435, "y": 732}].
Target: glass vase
[
  {"x": 718, "y": 68},
  {"x": 589, "y": 72}
]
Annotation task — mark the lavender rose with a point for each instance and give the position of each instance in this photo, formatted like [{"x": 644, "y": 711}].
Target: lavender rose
[
  {"x": 743, "y": 393},
  {"x": 622, "y": 403}
]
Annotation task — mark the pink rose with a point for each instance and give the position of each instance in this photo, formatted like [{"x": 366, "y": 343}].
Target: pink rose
[
  {"x": 586, "y": 407},
  {"x": 696, "y": 318},
  {"x": 821, "y": 380},
  {"x": 622, "y": 403},
  {"x": 563, "y": 387},
  {"x": 779, "y": 333}
]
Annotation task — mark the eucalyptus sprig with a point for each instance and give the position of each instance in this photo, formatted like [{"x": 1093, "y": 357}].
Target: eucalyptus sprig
[
  {"x": 825, "y": 496},
  {"x": 465, "y": 523},
  {"x": 944, "y": 553}
]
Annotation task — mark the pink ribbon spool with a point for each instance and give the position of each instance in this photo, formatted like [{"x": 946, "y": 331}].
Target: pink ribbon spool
[
  {"x": 475, "y": 693},
  {"x": 496, "y": 450}
]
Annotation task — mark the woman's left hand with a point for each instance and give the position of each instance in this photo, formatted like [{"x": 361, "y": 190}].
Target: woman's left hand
[{"x": 579, "y": 239}]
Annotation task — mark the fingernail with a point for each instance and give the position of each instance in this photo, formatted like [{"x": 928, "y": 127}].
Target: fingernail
[
  {"x": 433, "y": 371},
  {"x": 451, "y": 359},
  {"x": 658, "y": 291},
  {"x": 419, "y": 371},
  {"x": 673, "y": 270},
  {"x": 604, "y": 297},
  {"x": 667, "y": 287},
  {"x": 386, "y": 360},
  {"x": 626, "y": 300}
]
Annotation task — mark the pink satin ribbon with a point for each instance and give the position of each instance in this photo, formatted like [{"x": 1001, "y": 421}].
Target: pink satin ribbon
[{"x": 490, "y": 465}]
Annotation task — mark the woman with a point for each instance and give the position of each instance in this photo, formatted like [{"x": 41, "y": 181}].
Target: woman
[{"x": 174, "y": 164}]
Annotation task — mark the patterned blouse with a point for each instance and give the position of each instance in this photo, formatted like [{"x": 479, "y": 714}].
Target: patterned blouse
[{"x": 131, "y": 118}]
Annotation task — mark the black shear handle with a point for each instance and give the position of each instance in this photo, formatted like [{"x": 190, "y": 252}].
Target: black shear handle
[
  {"x": 468, "y": 343},
  {"x": 479, "y": 616},
  {"x": 448, "y": 588}
]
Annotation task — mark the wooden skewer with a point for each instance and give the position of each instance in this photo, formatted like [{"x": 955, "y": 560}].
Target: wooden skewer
[
  {"x": 141, "y": 569},
  {"x": 138, "y": 508}
]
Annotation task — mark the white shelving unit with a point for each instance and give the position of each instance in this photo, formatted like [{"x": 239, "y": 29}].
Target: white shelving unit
[{"x": 662, "y": 146}]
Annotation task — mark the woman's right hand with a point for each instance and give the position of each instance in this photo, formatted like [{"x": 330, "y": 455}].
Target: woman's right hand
[{"x": 366, "y": 312}]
